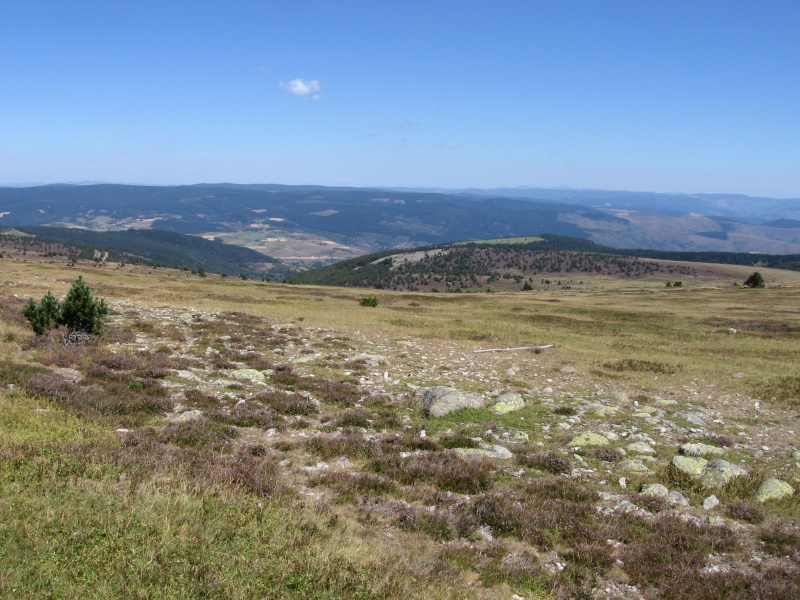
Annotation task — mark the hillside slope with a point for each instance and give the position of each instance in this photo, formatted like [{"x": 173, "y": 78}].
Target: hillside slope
[
  {"x": 502, "y": 264},
  {"x": 163, "y": 248}
]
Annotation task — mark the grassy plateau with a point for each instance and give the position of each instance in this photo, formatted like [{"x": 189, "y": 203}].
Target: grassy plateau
[{"x": 230, "y": 438}]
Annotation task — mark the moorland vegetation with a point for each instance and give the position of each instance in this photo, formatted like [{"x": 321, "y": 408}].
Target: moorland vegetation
[{"x": 232, "y": 438}]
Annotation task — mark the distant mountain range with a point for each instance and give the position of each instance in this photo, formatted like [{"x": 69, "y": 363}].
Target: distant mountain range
[{"x": 315, "y": 225}]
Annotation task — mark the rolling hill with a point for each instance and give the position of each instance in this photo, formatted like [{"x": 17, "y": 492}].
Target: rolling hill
[{"x": 513, "y": 263}]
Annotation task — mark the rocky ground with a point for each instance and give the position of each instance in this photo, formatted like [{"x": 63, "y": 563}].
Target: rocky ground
[{"x": 522, "y": 467}]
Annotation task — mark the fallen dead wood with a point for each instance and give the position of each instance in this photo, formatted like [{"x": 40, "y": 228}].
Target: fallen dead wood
[{"x": 534, "y": 348}]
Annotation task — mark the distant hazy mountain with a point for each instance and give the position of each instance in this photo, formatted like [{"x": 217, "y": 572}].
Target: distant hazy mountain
[{"x": 360, "y": 220}]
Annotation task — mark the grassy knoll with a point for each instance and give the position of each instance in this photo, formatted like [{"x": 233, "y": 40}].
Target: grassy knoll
[{"x": 152, "y": 464}]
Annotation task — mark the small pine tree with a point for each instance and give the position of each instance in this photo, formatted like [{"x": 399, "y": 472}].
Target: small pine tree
[
  {"x": 369, "y": 301},
  {"x": 755, "y": 281},
  {"x": 81, "y": 312},
  {"x": 44, "y": 316}
]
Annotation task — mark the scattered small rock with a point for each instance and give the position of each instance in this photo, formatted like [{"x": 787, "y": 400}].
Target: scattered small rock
[
  {"x": 694, "y": 418},
  {"x": 675, "y": 497},
  {"x": 589, "y": 439},
  {"x": 250, "y": 375},
  {"x": 700, "y": 450},
  {"x": 633, "y": 464},
  {"x": 655, "y": 489},
  {"x": 711, "y": 502},
  {"x": 641, "y": 448}
]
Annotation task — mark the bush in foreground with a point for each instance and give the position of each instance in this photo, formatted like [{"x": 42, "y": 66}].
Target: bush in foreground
[{"x": 79, "y": 312}]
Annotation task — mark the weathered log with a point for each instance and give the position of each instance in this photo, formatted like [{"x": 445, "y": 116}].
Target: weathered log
[{"x": 534, "y": 348}]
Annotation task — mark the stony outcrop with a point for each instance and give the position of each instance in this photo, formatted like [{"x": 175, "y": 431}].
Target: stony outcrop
[
  {"x": 507, "y": 403},
  {"x": 773, "y": 489},
  {"x": 441, "y": 400}
]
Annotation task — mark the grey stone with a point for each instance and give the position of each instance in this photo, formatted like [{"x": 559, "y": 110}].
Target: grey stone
[
  {"x": 694, "y": 418},
  {"x": 633, "y": 464},
  {"x": 305, "y": 358},
  {"x": 641, "y": 448},
  {"x": 605, "y": 411},
  {"x": 520, "y": 436},
  {"x": 718, "y": 473},
  {"x": 773, "y": 489},
  {"x": 655, "y": 489},
  {"x": 689, "y": 465},
  {"x": 370, "y": 358},
  {"x": 251, "y": 375},
  {"x": 189, "y": 415},
  {"x": 567, "y": 369},
  {"x": 507, "y": 403},
  {"x": 700, "y": 450},
  {"x": 711, "y": 502},
  {"x": 187, "y": 375},
  {"x": 589, "y": 439},
  {"x": 488, "y": 451},
  {"x": 439, "y": 401},
  {"x": 343, "y": 462},
  {"x": 667, "y": 402},
  {"x": 619, "y": 396},
  {"x": 675, "y": 497}
]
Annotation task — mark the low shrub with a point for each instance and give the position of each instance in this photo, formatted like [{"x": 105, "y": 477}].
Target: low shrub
[
  {"x": 641, "y": 366},
  {"x": 446, "y": 471},
  {"x": 333, "y": 446},
  {"x": 551, "y": 462},
  {"x": 745, "y": 512},
  {"x": 458, "y": 440},
  {"x": 198, "y": 433},
  {"x": 780, "y": 538}
]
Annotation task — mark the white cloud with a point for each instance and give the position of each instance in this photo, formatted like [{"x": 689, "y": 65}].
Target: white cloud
[{"x": 311, "y": 89}]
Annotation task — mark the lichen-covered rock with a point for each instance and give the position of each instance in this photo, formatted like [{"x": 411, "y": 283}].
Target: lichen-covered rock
[
  {"x": 689, "y": 465},
  {"x": 633, "y": 464},
  {"x": 773, "y": 489},
  {"x": 187, "y": 415},
  {"x": 251, "y": 375},
  {"x": 619, "y": 396},
  {"x": 641, "y": 448},
  {"x": 655, "y": 489},
  {"x": 675, "y": 497},
  {"x": 441, "y": 400},
  {"x": 700, "y": 450},
  {"x": 718, "y": 473},
  {"x": 305, "y": 358},
  {"x": 507, "y": 403},
  {"x": 711, "y": 502},
  {"x": 488, "y": 451},
  {"x": 371, "y": 359},
  {"x": 520, "y": 436},
  {"x": 694, "y": 418},
  {"x": 589, "y": 439},
  {"x": 605, "y": 411}
]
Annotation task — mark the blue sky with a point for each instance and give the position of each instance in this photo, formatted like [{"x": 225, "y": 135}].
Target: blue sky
[{"x": 672, "y": 95}]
